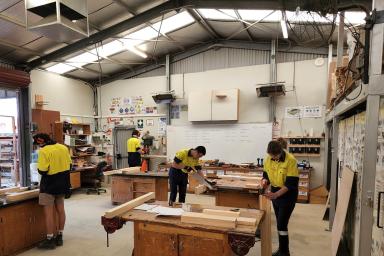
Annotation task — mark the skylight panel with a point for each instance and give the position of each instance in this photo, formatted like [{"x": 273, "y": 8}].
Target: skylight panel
[
  {"x": 174, "y": 22},
  {"x": 140, "y": 36},
  {"x": 60, "y": 68},
  {"x": 354, "y": 18},
  {"x": 264, "y": 15},
  {"x": 109, "y": 49},
  {"x": 223, "y": 14},
  {"x": 82, "y": 59}
]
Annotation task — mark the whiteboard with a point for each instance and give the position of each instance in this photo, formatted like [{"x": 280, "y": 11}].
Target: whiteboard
[{"x": 231, "y": 143}]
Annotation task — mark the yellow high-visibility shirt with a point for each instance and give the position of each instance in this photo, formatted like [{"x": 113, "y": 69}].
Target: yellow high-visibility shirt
[
  {"x": 278, "y": 171},
  {"x": 186, "y": 159},
  {"x": 133, "y": 144},
  {"x": 54, "y": 159}
]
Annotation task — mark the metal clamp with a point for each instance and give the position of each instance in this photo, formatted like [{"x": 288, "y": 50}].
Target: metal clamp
[{"x": 379, "y": 210}]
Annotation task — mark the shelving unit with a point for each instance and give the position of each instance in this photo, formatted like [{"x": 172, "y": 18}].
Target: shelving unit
[
  {"x": 70, "y": 137},
  {"x": 9, "y": 163},
  {"x": 304, "y": 146},
  {"x": 304, "y": 185}
]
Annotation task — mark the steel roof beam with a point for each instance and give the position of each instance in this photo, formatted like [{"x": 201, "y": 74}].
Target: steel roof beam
[{"x": 104, "y": 34}]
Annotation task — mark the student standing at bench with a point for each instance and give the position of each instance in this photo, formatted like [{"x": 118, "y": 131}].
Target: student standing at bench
[
  {"x": 185, "y": 161},
  {"x": 280, "y": 171},
  {"x": 133, "y": 149}
]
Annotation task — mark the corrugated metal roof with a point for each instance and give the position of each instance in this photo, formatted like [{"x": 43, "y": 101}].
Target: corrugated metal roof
[{"x": 228, "y": 58}]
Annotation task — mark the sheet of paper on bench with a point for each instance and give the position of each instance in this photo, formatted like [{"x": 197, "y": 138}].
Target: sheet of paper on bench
[
  {"x": 166, "y": 211},
  {"x": 146, "y": 207}
]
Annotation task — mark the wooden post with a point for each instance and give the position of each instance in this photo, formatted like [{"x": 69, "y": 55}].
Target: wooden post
[{"x": 265, "y": 227}]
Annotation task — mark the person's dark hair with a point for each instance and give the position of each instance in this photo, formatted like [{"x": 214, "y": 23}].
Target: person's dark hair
[
  {"x": 201, "y": 150},
  {"x": 274, "y": 148},
  {"x": 135, "y": 133},
  {"x": 283, "y": 142},
  {"x": 45, "y": 137}
]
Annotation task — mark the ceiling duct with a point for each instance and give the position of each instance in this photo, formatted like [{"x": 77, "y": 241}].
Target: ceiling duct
[
  {"x": 60, "y": 20},
  {"x": 271, "y": 89}
]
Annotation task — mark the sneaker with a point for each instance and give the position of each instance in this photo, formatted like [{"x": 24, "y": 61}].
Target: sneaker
[
  {"x": 59, "y": 240},
  {"x": 47, "y": 244}
]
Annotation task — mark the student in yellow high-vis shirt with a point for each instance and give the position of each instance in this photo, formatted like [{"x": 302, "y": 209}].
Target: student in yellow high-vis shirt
[
  {"x": 281, "y": 173},
  {"x": 133, "y": 149},
  {"x": 54, "y": 164},
  {"x": 185, "y": 161}
]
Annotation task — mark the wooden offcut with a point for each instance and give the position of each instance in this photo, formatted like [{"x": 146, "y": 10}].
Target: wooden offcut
[
  {"x": 240, "y": 177},
  {"x": 112, "y": 172},
  {"x": 129, "y": 205},
  {"x": 318, "y": 195},
  {"x": 221, "y": 212},
  {"x": 200, "y": 189},
  {"x": 18, "y": 196},
  {"x": 246, "y": 221},
  {"x": 265, "y": 228},
  {"x": 4, "y": 191},
  {"x": 208, "y": 220},
  {"x": 341, "y": 208},
  {"x": 130, "y": 170},
  {"x": 252, "y": 185}
]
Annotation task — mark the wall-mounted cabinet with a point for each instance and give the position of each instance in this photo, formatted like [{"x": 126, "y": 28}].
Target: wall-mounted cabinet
[{"x": 216, "y": 105}]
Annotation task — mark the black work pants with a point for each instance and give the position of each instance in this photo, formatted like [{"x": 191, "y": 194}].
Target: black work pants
[
  {"x": 283, "y": 211},
  {"x": 134, "y": 159},
  {"x": 178, "y": 181},
  {"x": 283, "y": 208}
]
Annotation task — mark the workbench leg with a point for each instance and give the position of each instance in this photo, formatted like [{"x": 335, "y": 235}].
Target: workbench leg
[{"x": 265, "y": 227}]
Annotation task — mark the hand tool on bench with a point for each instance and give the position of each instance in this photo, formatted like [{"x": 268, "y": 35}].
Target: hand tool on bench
[{"x": 194, "y": 174}]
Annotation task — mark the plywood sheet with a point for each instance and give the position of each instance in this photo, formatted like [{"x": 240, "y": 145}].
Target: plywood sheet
[
  {"x": 341, "y": 208},
  {"x": 18, "y": 196},
  {"x": 3, "y": 191}
]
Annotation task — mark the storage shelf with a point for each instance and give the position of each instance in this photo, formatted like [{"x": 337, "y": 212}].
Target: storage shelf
[
  {"x": 86, "y": 155},
  {"x": 76, "y": 134},
  {"x": 79, "y": 146},
  {"x": 303, "y": 137},
  {"x": 304, "y": 146},
  {"x": 310, "y": 155}
]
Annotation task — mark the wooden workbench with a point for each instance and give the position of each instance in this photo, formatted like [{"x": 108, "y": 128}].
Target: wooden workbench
[
  {"x": 233, "y": 193},
  {"x": 160, "y": 236},
  {"x": 126, "y": 187},
  {"x": 212, "y": 171},
  {"x": 22, "y": 226}
]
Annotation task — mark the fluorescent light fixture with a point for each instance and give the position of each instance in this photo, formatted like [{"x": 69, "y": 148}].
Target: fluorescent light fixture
[
  {"x": 60, "y": 68},
  {"x": 82, "y": 59},
  {"x": 255, "y": 15},
  {"x": 174, "y": 22},
  {"x": 109, "y": 49},
  {"x": 136, "y": 51},
  {"x": 283, "y": 24},
  {"x": 223, "y": 14}
]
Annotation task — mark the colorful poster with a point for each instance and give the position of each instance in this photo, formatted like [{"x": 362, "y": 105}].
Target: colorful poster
[
  {"x": 162, "y": 126},
  {"x": 175, "y": 112},
  {"x": 312, "y": 111},
  {"x": 294, "y": 112}
]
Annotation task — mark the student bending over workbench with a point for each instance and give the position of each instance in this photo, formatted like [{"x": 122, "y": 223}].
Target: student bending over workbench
[
  {"x": 280, "y": 171},
  {"x": 186, "y": 161}
]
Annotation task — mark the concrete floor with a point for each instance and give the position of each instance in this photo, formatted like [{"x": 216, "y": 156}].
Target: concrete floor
[{"x": 84, "y": 234}]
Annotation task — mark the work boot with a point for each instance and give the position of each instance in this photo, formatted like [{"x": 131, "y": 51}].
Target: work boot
[
  {"x": 170, "y": 203},
  {"x": 59, "y": 240},
  {"x": 49, "y": 244},
  {"x": 284, "y": 245}
]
